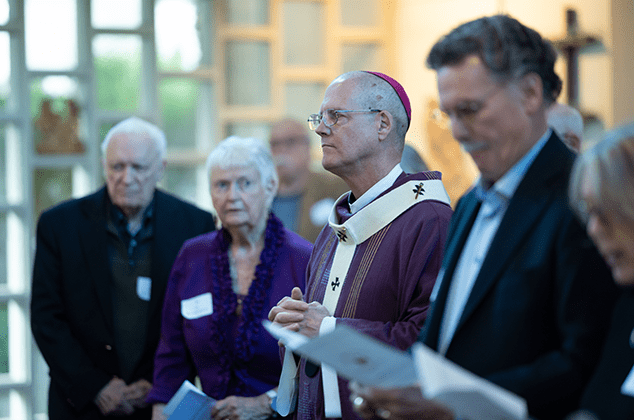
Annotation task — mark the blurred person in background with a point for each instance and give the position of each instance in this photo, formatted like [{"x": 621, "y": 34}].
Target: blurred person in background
[
  {"x": 304, "y": 197},
  {"x": 99, "y": 277},
  {"x": 568, "y": 124}
]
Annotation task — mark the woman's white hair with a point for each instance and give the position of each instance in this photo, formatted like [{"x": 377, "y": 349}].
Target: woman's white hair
[
  {"x": 244, "y": 152},
  {"x": 610, "y": 164},
  {"x": 139, "y": 127}
]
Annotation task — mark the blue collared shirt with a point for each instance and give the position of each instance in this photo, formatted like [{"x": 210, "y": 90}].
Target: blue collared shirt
[{"x": 495, "y": 201}]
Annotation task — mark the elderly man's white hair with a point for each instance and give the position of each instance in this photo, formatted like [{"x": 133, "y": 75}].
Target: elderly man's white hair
[
  {"x": 565, "y": 119},
  {"x": 137, "y": 126},
  {"x": 244, "y": 151}
]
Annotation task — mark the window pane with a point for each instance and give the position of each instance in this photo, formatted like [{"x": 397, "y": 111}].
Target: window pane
[
  {"x": 187, "y": 113},
  {"x": 181, "y": 181},
  {"x": 247, "y": 12},
  {"x": 56, "y": 103},
  {"x": 103, "y": 130},
  {"x": 4, "y": 336},
  {"x": 245, "y": 129},
  {"x": 51, "y": 34},
  {"x": 3, "y": 280},
  {"x": 303, "y": 35},
  {"x": 11, "y": 165},
  {"x": 248, "y": 73},
  {"x": 4, "y": 12},
  {"x": 5, "y": 73},
  {"x": 180, "y": 33},
  {"x": 360, "y": 57},
  {"x": 116, "y": 14},
  {"x": 3, "y": 165},
  {"x": 118, "y": 71},
  {"x": 360, "y": 12},
  {"x": 51, "y": 186},
  {"x": 4, "y": 403},
  {"x": 303, "y": 99}
]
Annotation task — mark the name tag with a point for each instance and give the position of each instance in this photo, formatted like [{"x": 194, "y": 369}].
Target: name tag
[
  {"x": 144, "y": 288},
  {"x": 628, "y": 386},
  {"x": 197, "y": 307}
]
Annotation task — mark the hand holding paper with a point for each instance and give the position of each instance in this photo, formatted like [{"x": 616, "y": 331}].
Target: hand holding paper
[
  {"x": 396, "y": 403},
  {"x": 372, "y": 363}
]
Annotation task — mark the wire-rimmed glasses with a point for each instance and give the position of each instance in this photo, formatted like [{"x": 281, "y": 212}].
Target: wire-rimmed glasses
[{"x": 330, "y": 116}]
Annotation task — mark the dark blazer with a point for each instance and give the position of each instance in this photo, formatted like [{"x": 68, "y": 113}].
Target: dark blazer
[
  {"x": 536, "y": 316},
  {"x": 71, "y": 302},
  {"x": 603, "y": 396}
]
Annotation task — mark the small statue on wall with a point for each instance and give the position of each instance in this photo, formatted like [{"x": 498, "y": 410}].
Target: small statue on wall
[{"x": 58, "y": 135}]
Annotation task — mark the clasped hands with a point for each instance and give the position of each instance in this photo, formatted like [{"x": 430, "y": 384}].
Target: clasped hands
[
  {"x": 296, "y": 315},
  {"x": 118, "y": 399}
]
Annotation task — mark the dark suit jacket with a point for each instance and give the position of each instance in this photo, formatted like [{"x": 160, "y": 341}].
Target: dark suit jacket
[
  {"x": 537, "y": 314},
  {"x": 71, "y": 303}
]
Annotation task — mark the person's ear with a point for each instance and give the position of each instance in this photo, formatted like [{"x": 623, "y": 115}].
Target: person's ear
[
  {"x": 386, "y": 124},
  {"x": 532, "y": 89}
]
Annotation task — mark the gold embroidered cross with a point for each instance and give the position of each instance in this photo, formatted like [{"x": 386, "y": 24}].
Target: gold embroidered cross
[{"x": 419, "y": 190}]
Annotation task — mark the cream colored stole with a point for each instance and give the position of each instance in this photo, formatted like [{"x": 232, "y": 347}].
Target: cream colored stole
[{"x": 356, "y": 230}]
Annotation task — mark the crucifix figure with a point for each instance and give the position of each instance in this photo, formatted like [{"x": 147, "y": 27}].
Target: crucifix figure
[
  {"x": 335, "y": 284},
  {"x": 571, "y": 45}
]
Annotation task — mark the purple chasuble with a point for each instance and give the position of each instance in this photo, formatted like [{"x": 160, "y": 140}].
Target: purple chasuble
[{"x": 387, "y": 288}]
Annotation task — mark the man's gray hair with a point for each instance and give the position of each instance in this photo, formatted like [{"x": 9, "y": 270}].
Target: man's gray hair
[
  {"x": 243, "y": 151},
  {"x": 507, "y": 48},
  {"x": 564, "y": 119},
  {"x": 138, "y": 127},
  {"x": 373, "y": 92}
]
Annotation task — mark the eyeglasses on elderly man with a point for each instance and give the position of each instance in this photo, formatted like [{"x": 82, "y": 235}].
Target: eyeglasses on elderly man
[{"x": 331, "y": 116}]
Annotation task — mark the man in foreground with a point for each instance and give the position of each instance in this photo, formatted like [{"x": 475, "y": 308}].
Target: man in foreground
[{"x": 523, "y": 298}]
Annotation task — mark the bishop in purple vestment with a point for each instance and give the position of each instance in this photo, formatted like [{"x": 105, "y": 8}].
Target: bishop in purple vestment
[{"x": 387, "y": 283}]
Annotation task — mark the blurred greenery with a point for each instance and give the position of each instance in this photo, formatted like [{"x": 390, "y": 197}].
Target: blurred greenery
[
  {"x": 178, "y": 99},
  {"x": 118, "y": 83}
]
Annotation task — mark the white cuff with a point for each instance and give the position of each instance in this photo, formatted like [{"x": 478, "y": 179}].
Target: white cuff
[{"x": 328, "y": 325}]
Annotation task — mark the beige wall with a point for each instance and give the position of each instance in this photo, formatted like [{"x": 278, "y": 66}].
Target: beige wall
[{"x": 421, "y": 22}]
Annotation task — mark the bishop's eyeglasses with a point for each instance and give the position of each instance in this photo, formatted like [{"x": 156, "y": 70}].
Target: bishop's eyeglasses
[{"x": 330, "y": 117}]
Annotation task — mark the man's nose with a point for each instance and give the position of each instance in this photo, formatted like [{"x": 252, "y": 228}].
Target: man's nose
[
  {"x": 459, "y": 129},
  {"x": 322, "y": 129},
  {"x": 128, "y": 174}
]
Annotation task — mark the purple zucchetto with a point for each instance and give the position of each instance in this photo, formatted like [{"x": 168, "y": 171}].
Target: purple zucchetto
[{"x": 400, "y": 91}]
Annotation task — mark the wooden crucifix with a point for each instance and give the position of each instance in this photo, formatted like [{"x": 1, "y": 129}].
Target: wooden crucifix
[{"x": 570, "y": 46}]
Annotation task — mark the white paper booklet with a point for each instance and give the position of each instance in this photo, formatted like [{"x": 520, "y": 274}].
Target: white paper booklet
[
  {"x": 468, "y": 395},
  {"x": 189, "y": 403},
  {"x": 359, "y": 357}
]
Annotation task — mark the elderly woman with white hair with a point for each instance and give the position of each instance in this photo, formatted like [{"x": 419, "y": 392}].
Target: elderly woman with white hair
[
  {"x": 602, "y": 193},
  {"x": 223, "y": 284}
]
